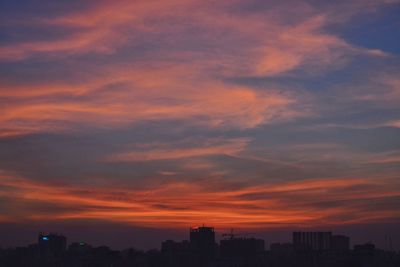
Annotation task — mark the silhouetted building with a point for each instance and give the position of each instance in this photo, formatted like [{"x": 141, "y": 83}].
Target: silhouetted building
[
  {"x": 52, "y": 245},
  {"x": 340, "y": 242},
  {"x": 241, "y": 247},
  {"x": 170, "y": 246},
  {"x": 79, "y": 247},
  {"x": 202, "y": 241},
  {"x": 281, "y": 254},
  {"x": 364, "y": 249},
  {"x": 312, "y": 240},
  {"x": 281, "y": 247},
  {"x": 176, "y": 253},
  {"x": 79, "y": 254},
  {"x": 200, "y": 252}
]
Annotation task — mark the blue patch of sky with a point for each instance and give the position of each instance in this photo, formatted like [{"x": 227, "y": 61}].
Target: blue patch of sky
[
  {"x": 44, "y": 8},
  {"x": 14, "y": 34},
  {"x": 374, "y": 31}
]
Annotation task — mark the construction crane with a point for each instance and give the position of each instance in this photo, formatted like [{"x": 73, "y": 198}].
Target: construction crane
[{"x": 232, "y": 235}]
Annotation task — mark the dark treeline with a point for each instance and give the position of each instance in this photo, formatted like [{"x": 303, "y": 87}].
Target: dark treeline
[{"x": 308, "y": 249}]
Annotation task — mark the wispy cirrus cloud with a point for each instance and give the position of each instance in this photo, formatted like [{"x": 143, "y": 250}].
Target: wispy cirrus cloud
[
  {"x": 182, "y": 149},
  {"x": 268, "y": 205},
  {"x": 213, "y": 104},
  {"x": 190, "y": 68}
]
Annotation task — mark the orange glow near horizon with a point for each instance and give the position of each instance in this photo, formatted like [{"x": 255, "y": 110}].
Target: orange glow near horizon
[{"x": 181, "y": 204}]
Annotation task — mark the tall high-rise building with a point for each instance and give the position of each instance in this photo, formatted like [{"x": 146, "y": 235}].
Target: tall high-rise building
[
  {"x": 51, "y": 245},
  {"x": 312, "y": 240},
  {"x": 202, "y": 241}
]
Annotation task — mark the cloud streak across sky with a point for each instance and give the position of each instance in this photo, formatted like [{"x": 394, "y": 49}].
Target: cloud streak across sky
[{"x": 168, "y": 113}]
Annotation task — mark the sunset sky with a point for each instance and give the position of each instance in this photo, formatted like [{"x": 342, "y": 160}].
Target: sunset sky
[{"x": 158, "y": 115}]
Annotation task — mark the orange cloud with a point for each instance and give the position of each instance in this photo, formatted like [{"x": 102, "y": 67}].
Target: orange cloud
[
  {"x": 185, "y": 203},
  {"x": 173, "y": 93}
]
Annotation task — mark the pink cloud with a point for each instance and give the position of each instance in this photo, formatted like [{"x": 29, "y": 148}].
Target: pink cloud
[
  {"x": 259, "y": 45},
  {"x": 154, "y": 93},
  {"x": 159, "y": 151}
]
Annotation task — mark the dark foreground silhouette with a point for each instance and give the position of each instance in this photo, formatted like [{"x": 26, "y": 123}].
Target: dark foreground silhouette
[{"x": 308, "y": 249}]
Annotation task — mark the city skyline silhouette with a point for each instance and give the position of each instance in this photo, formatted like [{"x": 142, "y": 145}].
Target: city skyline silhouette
[
  {"x": 121, "y": 236},
  {"x": 201, "y": 248}
]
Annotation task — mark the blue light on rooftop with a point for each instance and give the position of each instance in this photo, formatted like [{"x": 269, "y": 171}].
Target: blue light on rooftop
[{"x": 45, "y": 238}]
